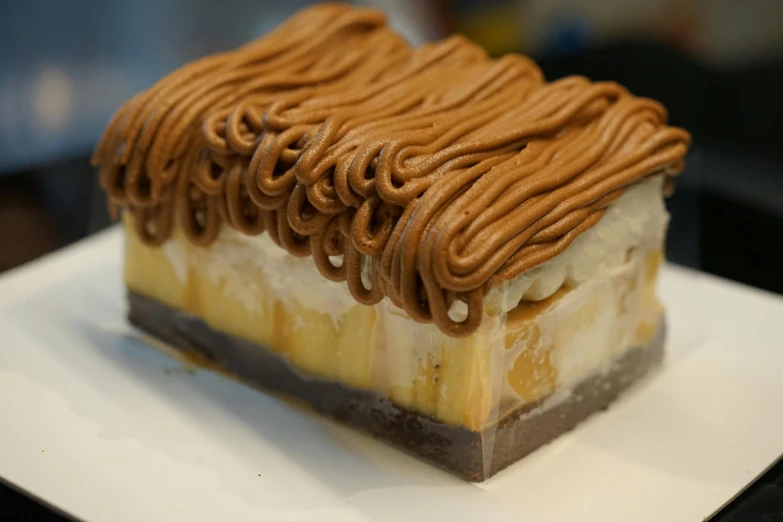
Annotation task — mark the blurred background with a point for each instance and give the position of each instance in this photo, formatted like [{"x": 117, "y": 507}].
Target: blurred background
[{"x": 716, "y": 64}]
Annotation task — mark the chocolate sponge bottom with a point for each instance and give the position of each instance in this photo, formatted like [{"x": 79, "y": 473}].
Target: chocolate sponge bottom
[{"x": 456, "y": 448}]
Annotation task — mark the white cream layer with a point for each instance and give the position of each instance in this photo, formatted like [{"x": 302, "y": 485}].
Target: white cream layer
[{"x": 636, "y": 219}]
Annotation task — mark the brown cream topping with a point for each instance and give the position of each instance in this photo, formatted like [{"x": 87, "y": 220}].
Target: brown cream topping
[{"x": 447, "y": 171}]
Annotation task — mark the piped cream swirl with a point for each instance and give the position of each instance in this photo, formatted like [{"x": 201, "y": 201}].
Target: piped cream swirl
[{"x": 445, "y": 171}]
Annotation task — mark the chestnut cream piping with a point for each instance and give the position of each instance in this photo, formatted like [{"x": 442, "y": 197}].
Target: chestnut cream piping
[{"x": 445, "y": 171}]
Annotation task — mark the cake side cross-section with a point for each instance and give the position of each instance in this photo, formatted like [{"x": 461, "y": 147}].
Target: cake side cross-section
[{"x": 435, "y": 246}]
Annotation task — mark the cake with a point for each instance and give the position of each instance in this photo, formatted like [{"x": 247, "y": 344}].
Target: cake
[{"x": 437, "y": 247}]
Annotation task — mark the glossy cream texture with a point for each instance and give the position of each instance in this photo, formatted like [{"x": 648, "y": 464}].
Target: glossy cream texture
[{"x": 579, "y": 312}]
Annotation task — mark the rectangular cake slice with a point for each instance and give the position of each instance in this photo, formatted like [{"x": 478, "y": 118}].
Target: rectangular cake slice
[{"x": 436, "y": 247}]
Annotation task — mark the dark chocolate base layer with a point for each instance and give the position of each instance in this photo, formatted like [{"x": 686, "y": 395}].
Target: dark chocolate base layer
[{"x": 456, "y": 448}]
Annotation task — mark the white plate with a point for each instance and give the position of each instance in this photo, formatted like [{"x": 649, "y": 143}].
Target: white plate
[{"x": 107, "y": 429}]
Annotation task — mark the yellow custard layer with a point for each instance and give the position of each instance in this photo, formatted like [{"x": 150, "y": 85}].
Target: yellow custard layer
[{"x": 516, "y": 358}]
